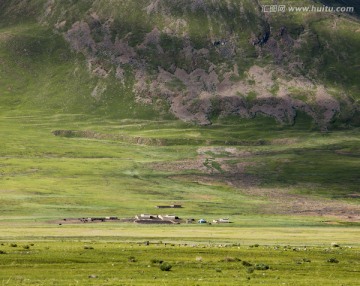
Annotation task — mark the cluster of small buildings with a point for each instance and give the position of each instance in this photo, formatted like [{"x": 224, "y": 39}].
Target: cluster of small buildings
[
  {"x": 173, "y": 219},
  {"x": 220, "y": 220},
  {"x": 169, "y": 207},
  {"x": 157, "y": 219},
  {"x": 98, "y": 219},
  {"x": 148, "y": 218}
]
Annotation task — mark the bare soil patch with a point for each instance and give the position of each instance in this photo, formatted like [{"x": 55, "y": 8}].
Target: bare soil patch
[{"x": 280, "y": 201}]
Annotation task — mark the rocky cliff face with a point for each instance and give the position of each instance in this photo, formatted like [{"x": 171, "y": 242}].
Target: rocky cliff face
[{"x": 207, "y": 58}]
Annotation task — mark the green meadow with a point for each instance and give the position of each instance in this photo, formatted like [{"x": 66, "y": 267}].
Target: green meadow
[
  {"x": 116, "y": 263},
  {"x": 44, "y": 176},
  {"x": 289, "y": 191}
]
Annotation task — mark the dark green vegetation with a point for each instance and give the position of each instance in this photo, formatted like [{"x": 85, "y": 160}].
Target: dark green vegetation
[{"x": 112, "y": 263}]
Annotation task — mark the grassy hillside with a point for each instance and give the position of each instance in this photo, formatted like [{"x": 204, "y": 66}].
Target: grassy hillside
[
  {"x": 217, "y": 171},
  {"x": 192, "y": 60},
  {"x": 39, "y": 72},
  {"x": 128, "y": 151}
]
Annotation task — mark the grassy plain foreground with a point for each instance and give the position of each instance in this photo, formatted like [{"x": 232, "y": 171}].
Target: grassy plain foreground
[
  {"x": 45, "y": 178},
  {"x": 114, "y": 263}
]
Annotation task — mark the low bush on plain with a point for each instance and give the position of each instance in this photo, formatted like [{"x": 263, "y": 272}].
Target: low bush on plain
[
  {"x": 156, "y": 261},
  {"x": 333, "y": 260},
  {"x": 231, "y": 259},
  {"x": 165, "y": 266},
  {"x": 246, "y": 264},
  {"x": 250, "y": 269},
  {"x": 261, "y": 266}
]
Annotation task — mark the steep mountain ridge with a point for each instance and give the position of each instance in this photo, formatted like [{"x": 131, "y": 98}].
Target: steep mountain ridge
[{"x": 205, "y": 59}]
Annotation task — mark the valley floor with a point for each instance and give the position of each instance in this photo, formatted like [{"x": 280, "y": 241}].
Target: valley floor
[
  {"x": 111, "y": 262},
  {"x": 289, "y": 192}
]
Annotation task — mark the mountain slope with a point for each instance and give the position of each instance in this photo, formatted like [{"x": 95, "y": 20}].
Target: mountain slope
[
  {"x": 89, "y": 72},
  {"x": 198, "y": 59}
]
